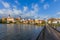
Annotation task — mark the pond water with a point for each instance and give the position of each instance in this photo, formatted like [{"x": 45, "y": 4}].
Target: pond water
[{"x": 19, "y": 31}]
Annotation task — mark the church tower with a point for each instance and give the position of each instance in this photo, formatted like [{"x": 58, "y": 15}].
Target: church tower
[{"x": 9, "y": 16}]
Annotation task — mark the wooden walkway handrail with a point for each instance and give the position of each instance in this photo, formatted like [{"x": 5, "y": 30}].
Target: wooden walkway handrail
[
  {"x": 55, "y": 29},
  {"x": 40, "y": 33}
]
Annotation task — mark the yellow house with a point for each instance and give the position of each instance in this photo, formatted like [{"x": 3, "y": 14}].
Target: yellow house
[
  {"x": 10, "y": 19},
  {"x": 36, "y": 21}
]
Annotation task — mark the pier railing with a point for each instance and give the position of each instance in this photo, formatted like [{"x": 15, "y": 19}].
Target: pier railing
[
  {"x": 41, "y": 33},
  {"x": 55, "y": 29}
]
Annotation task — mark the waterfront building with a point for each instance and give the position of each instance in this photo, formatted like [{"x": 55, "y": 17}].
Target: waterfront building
[
  {"x": 31, "y": 21},
  {"x": 10, "y": 19},
  {"x": 17, "y": 20},
  {"x": 24, "y": 21},
  {"x": 41, "y": 21},
  {"x": 36, "y": 21},
  {"x": 58, "y": 20},
  {"x": 4, "y": 20},
  {"x": 52, "y": 20}
]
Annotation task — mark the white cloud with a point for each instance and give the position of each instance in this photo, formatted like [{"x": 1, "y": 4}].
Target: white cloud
[
  {"x": 46, "y": 17},
  {"x": 54, "y": 0},
  {"x": 46, "y": 6},
  {"x": 31, "y": 13},
  {"x": 14, "y": 7},
  {"x": 42, "y": 1},
  {"x": 1, "y": 11},
  {"x": 9, "y": 11},
  {"x": 35, "y": 7},
  {"x": 16, "y": 12},
  {"x": 25, "y": 8},
  {"x": 5, "y": 11},
  {"x": 5, "y": 4},
  {"x": 16, "y": 2},
  {"x": 24, "y": 13},
  {"x": 58, "y": 13}
]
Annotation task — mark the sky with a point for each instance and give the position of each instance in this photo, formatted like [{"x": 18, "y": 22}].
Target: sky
[{"x": 34, "y": 9}]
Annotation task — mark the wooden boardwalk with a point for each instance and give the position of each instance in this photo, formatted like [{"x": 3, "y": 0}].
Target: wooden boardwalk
[{"x": 49, "y": 33}]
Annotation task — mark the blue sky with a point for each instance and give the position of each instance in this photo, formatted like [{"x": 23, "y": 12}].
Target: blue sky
[{"x": 36, "y": 9}]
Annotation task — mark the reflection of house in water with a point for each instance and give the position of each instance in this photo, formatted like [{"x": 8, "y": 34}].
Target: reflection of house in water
[{"x": 10, "y": 19}]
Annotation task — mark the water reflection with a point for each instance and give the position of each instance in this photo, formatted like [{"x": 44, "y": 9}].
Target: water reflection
[
  {"x": 10, "y": 29},
  {"x": 3, "y": 30},
  {"x": 58, "y": 28},
  {"x": 19, "y": 31}
]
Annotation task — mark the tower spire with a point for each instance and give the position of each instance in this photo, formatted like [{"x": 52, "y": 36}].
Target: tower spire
[{"x": 9, "y": 15}]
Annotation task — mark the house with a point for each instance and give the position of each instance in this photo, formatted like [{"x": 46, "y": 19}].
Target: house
[
  {"x": 58, "y": 20},
  {"x": 52, "y": 20},
  {"x": 10, "y": 19},
  {"x": 24, "y": 21},
  {"x": 17, "y": 19},
  {"x": 31, "y": 21},
  {"x": 36, "y": 21},
  {"x": 4, "y": 20},
  {"x": 41, "y": 21}
]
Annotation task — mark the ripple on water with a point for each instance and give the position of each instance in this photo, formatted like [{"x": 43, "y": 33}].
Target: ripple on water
[{"x": 19, "y": 31}]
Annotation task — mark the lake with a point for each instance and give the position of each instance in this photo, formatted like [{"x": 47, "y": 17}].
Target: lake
[{"x": 19, "y": 31}]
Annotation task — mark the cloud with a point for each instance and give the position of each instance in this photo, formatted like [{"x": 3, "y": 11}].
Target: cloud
[
  {"x": 35, "y": 7},
  {"x": 6, "y": 5},
  {"x": 42, "y": 1},
  {"x": 46, "y": 6},
  {"x": 11, "y": 12},
  {"x": 31, "y": 13},
  {"x": 58, "y": 13},
  {"x": 54, "y": 0},
  {"x": 14, "y": 6},
  {"x": 16, "y": 11},
  {"x": 45, "y": 17},
  {"x": 16, "y": 2},
  {"x": 25, "y": 8},
  {"x": 23, "y": 13},
  {"x": 1, "y": 12}
]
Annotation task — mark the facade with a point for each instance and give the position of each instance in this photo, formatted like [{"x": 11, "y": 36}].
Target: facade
[
  {"x": 4, "y": 20},
  {"x": 58, "y": 20},
  {"x": 31, "y": 21},
  {"x": 17, "y": 20},
  {"x": 41, "y": 21},
  {"x": 36, "y": 21},
  {"x": 52, "y": 20},
  {"x": 10, "y": 19}
]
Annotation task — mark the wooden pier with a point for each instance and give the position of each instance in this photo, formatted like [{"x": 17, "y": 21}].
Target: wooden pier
[{"x": 49, "y": 33}]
